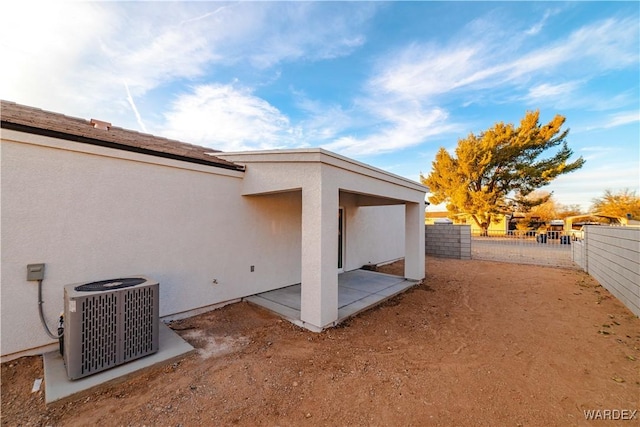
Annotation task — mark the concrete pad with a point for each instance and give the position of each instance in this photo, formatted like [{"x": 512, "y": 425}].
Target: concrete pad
[
  {"x": 288, "y": 296},
  {"x": 356, "y": 307},
  {"x": 365, "y": 284},
  {"x": 291, "y": 314},
  {"x": 358, "y": 290},
  {"x": 59, "y": 388},
  {"x": 394, "y": 289}
]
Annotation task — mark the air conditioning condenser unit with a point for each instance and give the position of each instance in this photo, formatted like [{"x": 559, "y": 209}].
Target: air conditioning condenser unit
[{"x": 108, "y": 323}]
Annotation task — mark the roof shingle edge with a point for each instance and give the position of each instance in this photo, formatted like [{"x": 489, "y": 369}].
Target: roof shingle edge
[{"x": 36, "y": 121}]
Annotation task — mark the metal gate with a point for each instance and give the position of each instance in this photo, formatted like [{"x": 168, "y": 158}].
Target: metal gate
[{"x": 524, "y": 247}]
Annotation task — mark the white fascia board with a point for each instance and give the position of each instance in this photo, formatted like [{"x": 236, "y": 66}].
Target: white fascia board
[{"x": 319, "y": 155}]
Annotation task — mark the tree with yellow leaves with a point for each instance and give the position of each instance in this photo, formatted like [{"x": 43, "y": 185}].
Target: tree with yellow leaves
[
  {"x": 624, "y": 204},
  {"x": 492, "y": 173}
]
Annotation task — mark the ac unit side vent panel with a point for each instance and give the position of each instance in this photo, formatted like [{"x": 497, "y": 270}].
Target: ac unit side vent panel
[
  {"x": 99, "y": 339},
  {"x": 139, "y": 324},
  {"x": 105, "y": 328}
]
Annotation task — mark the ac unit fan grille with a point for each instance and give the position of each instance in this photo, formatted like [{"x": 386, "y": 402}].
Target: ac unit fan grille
[
  {"x": 110, "y": 285},
  {"x": 99, "y": 333}
]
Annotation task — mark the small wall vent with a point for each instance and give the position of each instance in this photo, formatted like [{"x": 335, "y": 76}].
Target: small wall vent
[{"x": 109, "y": 323}]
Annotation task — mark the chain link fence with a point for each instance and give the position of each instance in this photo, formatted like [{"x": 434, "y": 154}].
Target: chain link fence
[{"x": 551, "y": 248}]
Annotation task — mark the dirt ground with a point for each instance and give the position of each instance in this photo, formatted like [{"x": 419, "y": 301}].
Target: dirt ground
[{"x": 479, "y": 343}]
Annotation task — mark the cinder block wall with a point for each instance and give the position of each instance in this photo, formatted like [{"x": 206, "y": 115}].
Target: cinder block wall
[
  {"x": 578, "y": 254},
  {"x": 448, "y": 241},
  {"x": 613, "y": 259}
]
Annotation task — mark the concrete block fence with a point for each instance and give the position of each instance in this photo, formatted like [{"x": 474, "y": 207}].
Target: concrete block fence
[
  {"x": 448, "y": 241},
  {"x": 611, "y": 255}
]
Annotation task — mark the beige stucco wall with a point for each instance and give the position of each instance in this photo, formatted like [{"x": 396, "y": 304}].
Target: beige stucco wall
[
  {"x": 93, "y": 213},
  {"x": 104, "y": 214},
  {"x": 374, "y": 234}
]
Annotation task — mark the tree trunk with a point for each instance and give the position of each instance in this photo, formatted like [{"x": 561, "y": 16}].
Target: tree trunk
[{"x": 484, "y": 226}]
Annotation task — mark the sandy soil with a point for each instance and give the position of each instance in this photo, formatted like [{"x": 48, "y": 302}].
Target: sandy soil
[{"x": 479, "y": 343}]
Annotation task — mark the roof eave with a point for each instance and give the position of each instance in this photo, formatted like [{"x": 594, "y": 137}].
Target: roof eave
[{"x": 93, "y": 141}]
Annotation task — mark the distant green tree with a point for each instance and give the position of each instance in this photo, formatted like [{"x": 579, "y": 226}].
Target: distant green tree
[
  {"x": 495, "y": 171},
  {"x": 618, "y": 204}
]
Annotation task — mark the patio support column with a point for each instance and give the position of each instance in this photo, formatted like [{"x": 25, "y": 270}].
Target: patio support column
[
  {"x": 319, "y": 299},
  {"x": 414, "y": 241}
]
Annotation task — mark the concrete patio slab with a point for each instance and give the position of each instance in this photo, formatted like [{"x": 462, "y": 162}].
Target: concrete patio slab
[
  {"x": 367, "y": 281},
  {"x": 347, "y": 296},
  {"x": 59, "y": 388},
  {"x": 358, "y": 290},
  {"x": 289, "y": 296}
]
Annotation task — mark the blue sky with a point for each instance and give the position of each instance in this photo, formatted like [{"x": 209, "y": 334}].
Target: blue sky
[{"x": 385, "y": 83}]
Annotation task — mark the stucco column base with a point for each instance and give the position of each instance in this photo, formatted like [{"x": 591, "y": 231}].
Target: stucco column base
[
  {"x": 319, "y": 299},
  {"x": 414, "y": 241}
]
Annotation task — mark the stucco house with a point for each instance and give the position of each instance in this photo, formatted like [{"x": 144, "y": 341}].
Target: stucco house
[
  {"x": 499, "y": 225},
  {"x": 94, "y": 201}
]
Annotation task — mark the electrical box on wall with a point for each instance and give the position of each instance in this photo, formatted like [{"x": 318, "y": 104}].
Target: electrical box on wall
[{"x": 35, "y": 272}]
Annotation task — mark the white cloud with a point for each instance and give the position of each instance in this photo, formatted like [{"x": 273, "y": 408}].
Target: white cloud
[
  {"x": 425, "y": 71},
  {"x": 481, "y": 62},
  {"x": 401, "y": 127},
  {"x": 50, "y": 59},
  {"x": 295, "y": 30},
  {"x": 538, "y": 26},
  {"x": 618, "y": 119},
  {"x": 323, "y": 121},
  {"x": 409, "y": 87},
  {"x": 590, "y": 50},
  {"x": 227, "y": 118},
  {"x": 593, "y": 179},
  {"x": 72, "y": 57},
  {"x": 547, "y": 92},
  {"x": 623, "y": 118},
  {"x": 595, "y": 153}
]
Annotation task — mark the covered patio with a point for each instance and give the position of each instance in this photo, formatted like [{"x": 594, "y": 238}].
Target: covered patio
[
  {"x": 358, "y": 290},
  {"x": 334, "y": 193}
]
